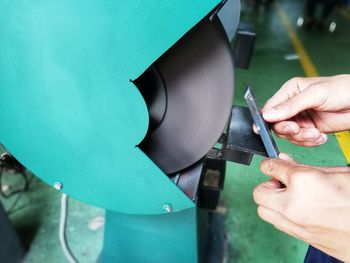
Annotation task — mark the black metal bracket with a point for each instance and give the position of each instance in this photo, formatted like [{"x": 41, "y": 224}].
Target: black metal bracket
[
  {"x": 239, "y": 143},
  {"x": 244, "y": 45}
]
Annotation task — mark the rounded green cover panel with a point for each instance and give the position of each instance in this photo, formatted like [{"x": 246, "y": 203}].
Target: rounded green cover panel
[{"x": 69, "y": 111}]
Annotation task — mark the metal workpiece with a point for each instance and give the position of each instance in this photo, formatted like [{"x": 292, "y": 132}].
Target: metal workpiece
[{"x": 263, "y": 128}]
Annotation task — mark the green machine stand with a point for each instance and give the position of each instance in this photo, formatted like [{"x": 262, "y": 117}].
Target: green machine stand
[
  {"x": 169, "y": 237},
  {"x": 185, "y": 236},
  {"x": 74, "y": 116}
]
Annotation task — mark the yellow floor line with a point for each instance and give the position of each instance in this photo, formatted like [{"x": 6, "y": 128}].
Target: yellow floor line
[
  {"x": 311, "y": 71},
  {"x": 344, "y": 142}
]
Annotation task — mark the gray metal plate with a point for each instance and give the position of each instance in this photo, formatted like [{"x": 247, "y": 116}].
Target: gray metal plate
[{"x": 197, "y": 73}]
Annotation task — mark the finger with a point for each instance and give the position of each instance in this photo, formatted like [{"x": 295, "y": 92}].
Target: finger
[
  {"x": 334, "y": 169},
  {"x": 307, "y": 99},
  {"x": 255, "y": 129},
  {"x": 270, "y": 194},
  {"x": 272, "y": 184},
  {"x": 286, "y": 128},
  {"x": 321, "y": 140},
  {"x": 289, "y": 89},
  {"x": 282, "y": 223},
  {"x": 330, "y": 169},
  {"x": 307, "y": 135},
  {"x": 306, "y": 144},
  {"x": 303, "y": 119},
  {"x": 278, "y": 169},
  {"x": 286, "y": 157},
  {"x": 290, "y": 130},
  {"x": 311, "y": 138}
]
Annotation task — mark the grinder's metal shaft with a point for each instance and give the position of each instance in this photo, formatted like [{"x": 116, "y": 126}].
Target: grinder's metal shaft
[{"x": 264, "y": 130}]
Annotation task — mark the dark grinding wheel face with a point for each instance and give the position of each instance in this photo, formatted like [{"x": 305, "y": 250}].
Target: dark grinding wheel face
[{"x": 197, "y": 76}]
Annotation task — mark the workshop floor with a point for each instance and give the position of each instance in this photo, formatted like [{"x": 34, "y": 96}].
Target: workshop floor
[{"x": 36, "y": 214}]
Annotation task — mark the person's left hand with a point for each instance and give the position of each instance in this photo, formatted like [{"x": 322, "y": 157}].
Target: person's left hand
[{"x": 309, "y": 203}]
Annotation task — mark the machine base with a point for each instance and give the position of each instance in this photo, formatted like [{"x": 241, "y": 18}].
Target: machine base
[
  {"x": 190, "y": 236},
  {"x": 168, "y": 238},
  {"x": 217, "y": 242}
]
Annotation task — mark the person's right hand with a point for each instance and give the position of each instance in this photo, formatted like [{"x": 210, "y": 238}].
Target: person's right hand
[
  {"x": 305, "y": 109},
  {"x": 308, "y": 202}
]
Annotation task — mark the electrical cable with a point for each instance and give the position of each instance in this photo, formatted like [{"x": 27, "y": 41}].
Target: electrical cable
[
  {"x": 19, "y": 196},
  {"x": 27, "y": 177},
  {"x": 12, "y": 193},
  {"x": 8, "y": 162},
  {"x": 62, "y": 230}
]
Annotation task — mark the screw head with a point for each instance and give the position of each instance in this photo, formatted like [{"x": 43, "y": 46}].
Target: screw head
[
  {"x": 300, "y": 22},
  {"x": 167, "y": 208},
  {"x": 58, "y": 185},
  {"x": 332, "y": 27}
]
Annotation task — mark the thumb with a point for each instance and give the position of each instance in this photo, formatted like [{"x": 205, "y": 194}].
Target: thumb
[
  {"x": 278, "y": 169},
  {"x": 307, "y": 99}
]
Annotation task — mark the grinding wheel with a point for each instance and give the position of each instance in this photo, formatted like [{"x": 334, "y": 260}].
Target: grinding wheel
[{"x": 189, "y": 93}]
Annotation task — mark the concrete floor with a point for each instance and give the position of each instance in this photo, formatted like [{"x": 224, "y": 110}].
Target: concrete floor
[
  {"x": 36, "y": 215},
  {"x": 36, "y": 219}
]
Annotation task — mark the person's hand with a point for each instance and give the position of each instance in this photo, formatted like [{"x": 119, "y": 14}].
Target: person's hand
[
  {"x": 309, "y": 203},
  {"x": 305, "y": 109}
]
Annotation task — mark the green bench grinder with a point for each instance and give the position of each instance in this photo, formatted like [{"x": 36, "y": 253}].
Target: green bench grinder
[{"x": 119, "y": 103}]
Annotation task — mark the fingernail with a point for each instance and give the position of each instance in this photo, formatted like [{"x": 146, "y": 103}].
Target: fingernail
[
  {"x": 285, "y": 156},
  {"x": 323, "y": 138},
  {"x": 310, "y": 134},
  {"x": 270, "y": 183},
  {"x": 270, "y": 114}
]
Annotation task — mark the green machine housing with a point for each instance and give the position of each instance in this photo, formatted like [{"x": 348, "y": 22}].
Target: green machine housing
[{"x": 74, "y": 77}]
